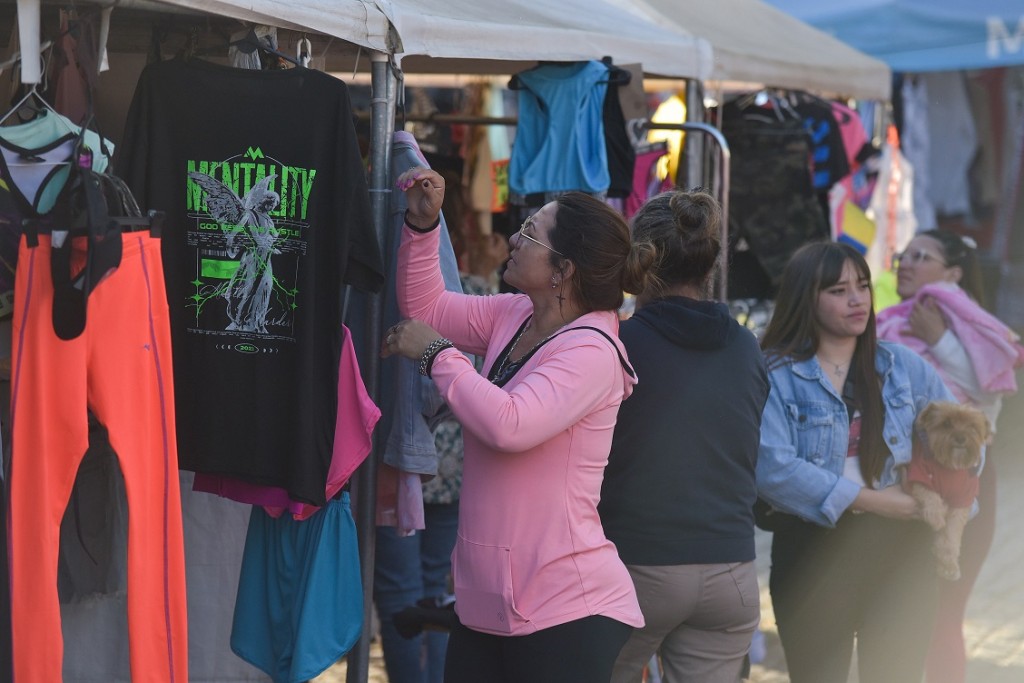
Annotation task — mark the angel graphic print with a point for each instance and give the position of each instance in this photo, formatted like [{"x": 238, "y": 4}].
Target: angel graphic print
[{"x": 248, "y": 225}]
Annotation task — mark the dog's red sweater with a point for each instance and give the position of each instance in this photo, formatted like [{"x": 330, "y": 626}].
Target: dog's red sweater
[{"x": 958, "y": 488}]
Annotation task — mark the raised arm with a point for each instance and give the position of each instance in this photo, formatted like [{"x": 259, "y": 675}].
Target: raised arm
[{"x": 465, "y": 319}]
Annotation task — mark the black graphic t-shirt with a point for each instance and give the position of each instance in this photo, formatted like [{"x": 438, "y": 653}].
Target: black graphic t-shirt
[{"x": 267, "y": 218}]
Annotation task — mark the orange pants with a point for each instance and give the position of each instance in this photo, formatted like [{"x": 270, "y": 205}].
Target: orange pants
[{"x": 120, "y": 368}]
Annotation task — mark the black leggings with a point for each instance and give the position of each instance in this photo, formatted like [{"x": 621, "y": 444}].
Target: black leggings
[
  {"x": 580, "y": 651},
  {"x": 871, "y": 580}
]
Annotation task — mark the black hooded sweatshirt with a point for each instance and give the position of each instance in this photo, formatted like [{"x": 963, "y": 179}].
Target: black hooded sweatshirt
[{"x": 680, "y": 485}]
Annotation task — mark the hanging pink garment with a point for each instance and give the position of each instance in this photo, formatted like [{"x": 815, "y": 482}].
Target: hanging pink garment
[
  {"x": 400, "y": 500},
  {"x": 357, "y": 416},
  {"x": 645, "y": 180}
]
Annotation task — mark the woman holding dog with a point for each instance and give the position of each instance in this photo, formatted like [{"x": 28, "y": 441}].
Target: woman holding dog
[
  {"x": 942, "y": 318},
  {"x": 851, "y": 560}
]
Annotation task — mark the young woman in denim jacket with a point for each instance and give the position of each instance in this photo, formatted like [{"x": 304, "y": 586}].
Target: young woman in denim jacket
[{"x": 834, "y": 436}]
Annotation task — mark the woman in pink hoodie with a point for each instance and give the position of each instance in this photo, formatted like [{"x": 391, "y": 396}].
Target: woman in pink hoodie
[
  {"x": 540, "y": 592},
  {"x": 941, "y": 317}
]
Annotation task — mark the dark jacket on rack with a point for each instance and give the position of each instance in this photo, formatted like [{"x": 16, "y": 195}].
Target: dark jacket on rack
[{"x": 679, "y": 486}]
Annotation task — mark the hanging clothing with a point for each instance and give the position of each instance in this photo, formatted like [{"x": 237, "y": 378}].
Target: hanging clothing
[
  {"x": 773, "y": 206},
  {"x": 672, "y": 110},
  {"x": 35, "y": 161},
  {"x": 300, "y": 594},
  {"x": 915, "y": 145},
  {"x": 489, "y": 155},
  {"x": 6, "y": 665},
  {"x": 120, "y": 367},
  {"x": 851, "y": 130},
  {"x": 621, "y": 155},
  {"x": 953, "y": 143},
  {"x": 357, "y": 416},
  {"x": 267, "y": 218},
  {"x": 407, "y": 399},
  {"x": 646, "y": 183},
  {"x": 560, "y": 143},
  {"x": 828, "y": 152},
  {"x": 891, "y": 206},
  {"x": 76, "y": 61},
  {"x": 94, "y": 529}
]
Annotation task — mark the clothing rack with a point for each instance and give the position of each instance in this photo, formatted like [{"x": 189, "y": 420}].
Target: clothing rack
[
  {"x": 720, "y": 189},
  {"x": 451, "y": 119}
]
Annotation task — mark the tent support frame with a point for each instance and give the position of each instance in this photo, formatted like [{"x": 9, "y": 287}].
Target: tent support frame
[{"x": 383, "y": 100}]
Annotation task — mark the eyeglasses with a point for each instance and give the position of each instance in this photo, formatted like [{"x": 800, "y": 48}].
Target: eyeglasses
[
  {"x": 522, "y": 233},
  {"x": 916, "y": 257}
]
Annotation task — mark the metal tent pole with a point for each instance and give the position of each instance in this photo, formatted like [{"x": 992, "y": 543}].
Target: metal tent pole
[
  {"x": 693, "y": 144},
  {"x": 382, "y": 118}
]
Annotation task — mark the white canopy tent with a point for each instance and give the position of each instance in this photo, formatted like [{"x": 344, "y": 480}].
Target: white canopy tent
[
  {"x": 700, "y": 40},
  {"x": 753, "y": 42},
  {"x": 478, "y": 34}
]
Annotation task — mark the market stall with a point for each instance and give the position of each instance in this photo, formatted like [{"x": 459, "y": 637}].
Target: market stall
[{"x": 401, "y": 35}]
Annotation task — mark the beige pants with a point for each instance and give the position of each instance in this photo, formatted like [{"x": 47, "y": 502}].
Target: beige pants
[{"x": 700, "y": 618}]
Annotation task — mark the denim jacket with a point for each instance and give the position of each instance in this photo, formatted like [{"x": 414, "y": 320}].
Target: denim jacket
[
  {"x": 409, "y": 403},
  {"x": 805, "y": 432}
]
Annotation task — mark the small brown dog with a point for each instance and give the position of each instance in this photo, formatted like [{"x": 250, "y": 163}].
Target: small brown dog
[{"x": 943, "y": 474}]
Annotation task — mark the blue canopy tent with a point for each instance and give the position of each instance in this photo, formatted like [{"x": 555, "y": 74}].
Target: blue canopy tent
[{"x": 922, "y": 35}]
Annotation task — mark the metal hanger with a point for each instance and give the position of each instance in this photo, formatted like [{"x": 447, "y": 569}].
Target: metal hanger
[
  {"x": 250, "y": 43},
  {"x": 33, "y": 93}
]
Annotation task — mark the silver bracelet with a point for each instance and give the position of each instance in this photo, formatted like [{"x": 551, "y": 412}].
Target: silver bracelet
[{"x": 433, "y": 348}]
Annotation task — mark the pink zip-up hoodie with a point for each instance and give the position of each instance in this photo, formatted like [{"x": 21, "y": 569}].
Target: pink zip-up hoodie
[
  {"x": 531, "y": 552},
  {"x": 991, "y": 346}
]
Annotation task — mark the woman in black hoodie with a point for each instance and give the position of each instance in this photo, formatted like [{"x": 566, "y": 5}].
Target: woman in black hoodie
[{"x": 679, "y": 488}]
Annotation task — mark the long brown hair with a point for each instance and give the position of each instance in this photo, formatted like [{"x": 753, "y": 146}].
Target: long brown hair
[{"x": 792, "y": 334}]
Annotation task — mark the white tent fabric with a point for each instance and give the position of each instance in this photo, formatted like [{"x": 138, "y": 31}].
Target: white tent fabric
[
  {"x": 754, "y": 42},
  {"x": 567, "y": 30},
  {"x": 511, "y": 30},
  {"x": 357, "y": 21}
]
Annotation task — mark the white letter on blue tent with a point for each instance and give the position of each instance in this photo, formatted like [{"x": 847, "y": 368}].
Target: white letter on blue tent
[{"x": 999, "y": 35}]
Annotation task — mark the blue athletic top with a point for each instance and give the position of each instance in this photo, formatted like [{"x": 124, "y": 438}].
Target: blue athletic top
[{"x": 559, "y": 144}]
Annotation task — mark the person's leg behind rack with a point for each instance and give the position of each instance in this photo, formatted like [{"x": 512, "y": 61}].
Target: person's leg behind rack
[
  {"x": 442, "y": 521},
  {"x": 397, "y": 584}
]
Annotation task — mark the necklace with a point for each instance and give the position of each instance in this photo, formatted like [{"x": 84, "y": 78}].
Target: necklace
[
  {"x": 508, "y": 367},
  {"x": 506, "y": 361},
  {"x": 838, "y": 369}
]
